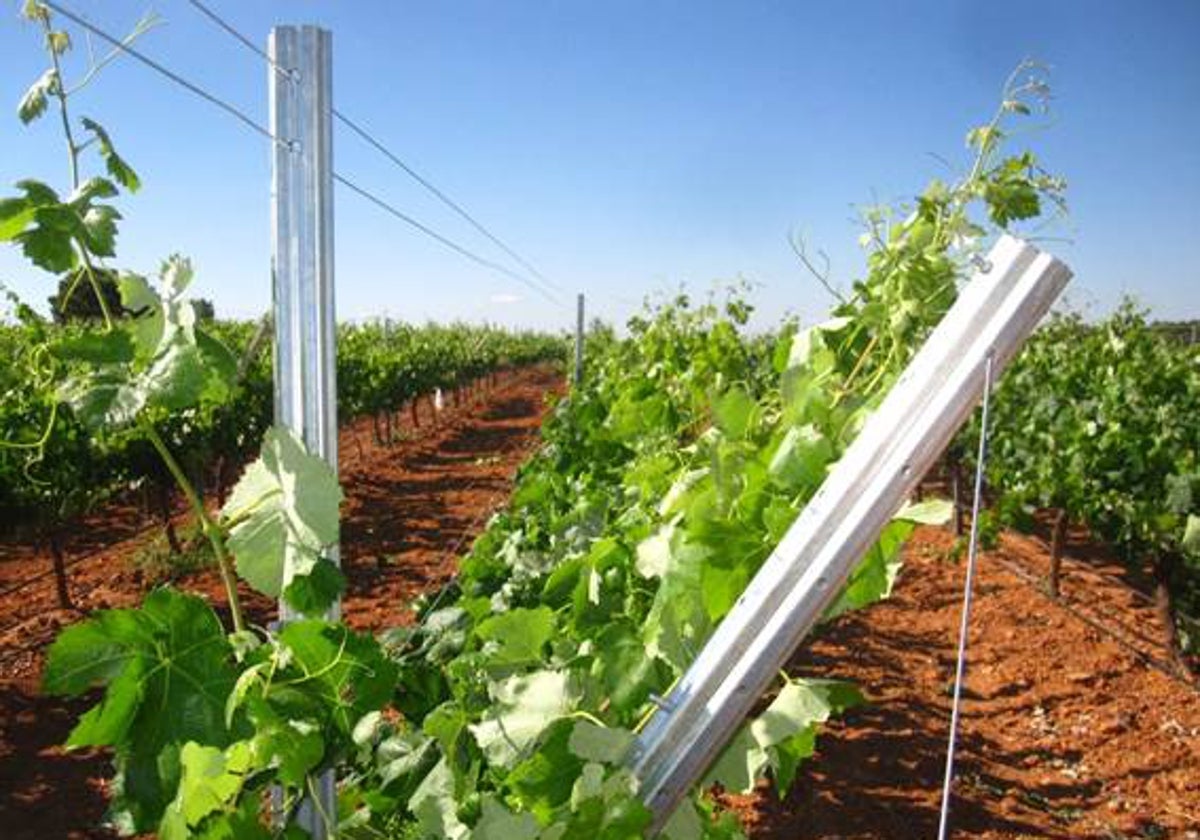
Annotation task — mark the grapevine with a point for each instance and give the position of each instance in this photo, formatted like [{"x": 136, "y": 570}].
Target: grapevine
[{"x": 1098, "y": 421}]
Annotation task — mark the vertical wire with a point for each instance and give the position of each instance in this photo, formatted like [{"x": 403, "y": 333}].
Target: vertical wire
[{"x": 964, "y": 627}]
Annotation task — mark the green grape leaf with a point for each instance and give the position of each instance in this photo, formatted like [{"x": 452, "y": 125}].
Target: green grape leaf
[
  {"x": 603, "y": 744},
  {"x": 404, "y": 760},
  {"x": 283, "y": 515},
  {"x": 367, "y": 730},
  {"x": 800, "y": 460},
  {"x": 139, "y": 298},
  {"x": 434, "y": 807},
  {"x": 794, "y": 714},
  {"x": 734, "y": 412},
  {"x": 175, "y": 366},
  {"x": 778, "y": 516},
  {"x": 446, "y": 724},
  {"x": 175, "y": 377},
  {"x": 100, "y": 229},
  {"x": 496, "y": 822},
  {"x": 48, "y": 244},
  {"x": 168, "y": 673},
  {"x": 1190, "y": 541},
  {"x": 15, "y": 216},
  {"x": 677, "y": 496},
  {"x": 1181, "y": 492},
  {"x": 250, "y": 678},
  {"x": 1009, "y": 192},
  {"x": 293, "y": 747},
  {"x": 810, "y": 347},
  {"x": 37, "y": 194},
  {"x": 210, "y": 782},
  {"x": 928, "y": 512},
  {"x": 984, "y": 137},
  {"x": 654, "y": 552},
  {"x": 874, "y": 576},
  {"x": 684, "y": 823},
  {"x": 58, "y": 41},
  {"x": 627, "y": 671},
  {"x": 345, "y": 671},
  {"x": 606, "y": 807},
  {"x": 93, "y": 652},
  {"x": 734, "y": 555},
  {"x": 561, "y": 583},
  {"x": 243, "y": 822},
  {"x": 544, "y": 781},
  {"x": 98, "y": 348},
  {"x": 220, "y": 364},
  {"x": 518, "y": 636},
  {"x": 522, "y": 706},
  {"x": 33, "y": 103},
  {"x": 315, "y": 592},
  {"x": 109, "y": 721},
  {"x": 102, "y": 397},
  {"x": 95, "y": 187},
  {"x": 121, "y": 171},
  {"x": 677, "y": 621}
]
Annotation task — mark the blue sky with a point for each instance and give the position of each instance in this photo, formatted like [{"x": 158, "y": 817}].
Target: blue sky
[{"x": 628, "y": 147}]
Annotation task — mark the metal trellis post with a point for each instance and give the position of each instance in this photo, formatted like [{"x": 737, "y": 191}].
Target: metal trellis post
[
  {"x": 579, "y": 339},
  {"x": 301, "y": 96},
  {"x": 993, "y": 316}
]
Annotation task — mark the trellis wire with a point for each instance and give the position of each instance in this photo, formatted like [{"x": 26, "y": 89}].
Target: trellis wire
[{"x": 964, "y": 628}]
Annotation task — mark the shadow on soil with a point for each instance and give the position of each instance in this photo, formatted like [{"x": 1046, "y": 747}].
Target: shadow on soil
[
  {"x": 32, "y": 805},
  {"x": 880, "y": 768}
]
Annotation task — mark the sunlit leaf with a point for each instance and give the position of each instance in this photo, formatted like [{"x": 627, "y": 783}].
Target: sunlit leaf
[
  {"x": 121, "y": 172},
  {"x": 523, "y": 706},
  {"x": 283, "y": 514},
  {"x": 36, "y": 98}
]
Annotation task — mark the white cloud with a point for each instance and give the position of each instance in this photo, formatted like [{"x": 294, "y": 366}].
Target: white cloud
[{"x": 505, "y": 298}]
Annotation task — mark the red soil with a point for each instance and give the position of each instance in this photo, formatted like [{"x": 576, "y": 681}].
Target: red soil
[{"x": 1064, "y": 731}]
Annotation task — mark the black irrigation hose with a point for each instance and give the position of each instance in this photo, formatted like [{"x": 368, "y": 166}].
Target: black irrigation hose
[
  {"x": 1144, "y": 597},
  {"x": 1035, "y": 583}
]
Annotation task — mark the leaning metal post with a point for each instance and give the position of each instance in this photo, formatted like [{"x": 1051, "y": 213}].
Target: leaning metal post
[
  {"x": 993, "y": 316},
  {"x": 301, "y": 98}
]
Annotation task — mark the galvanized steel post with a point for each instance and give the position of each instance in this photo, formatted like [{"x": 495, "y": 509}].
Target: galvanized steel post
[
  {"x": 993, "y": 316},
  {"x": 579, "y": 339},
  {"x": 301, "y": 99}
]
